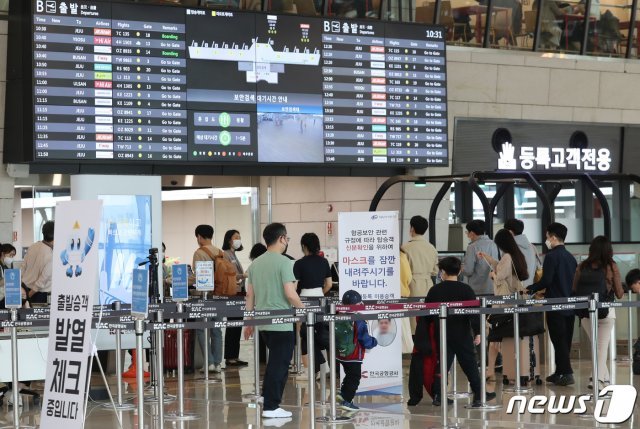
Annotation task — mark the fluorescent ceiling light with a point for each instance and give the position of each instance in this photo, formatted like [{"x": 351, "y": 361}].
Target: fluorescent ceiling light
[
  {"x": 205, "y": 194},
  {"x": 188, "y": 181}
]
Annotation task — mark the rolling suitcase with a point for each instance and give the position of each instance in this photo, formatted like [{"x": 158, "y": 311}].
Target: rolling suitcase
[
  {"x": 171, "y": 349},
  {"x": 529, "y": 369}
]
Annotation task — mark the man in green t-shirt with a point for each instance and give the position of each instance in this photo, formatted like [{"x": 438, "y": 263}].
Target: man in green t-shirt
[{"x": 270, "y": 286}]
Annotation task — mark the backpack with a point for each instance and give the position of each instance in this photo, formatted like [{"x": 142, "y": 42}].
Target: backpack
[
  {"x": 345, "y": 339},
  {"x": 592, "y": 280},
  {"x": 224, "y": 274}
]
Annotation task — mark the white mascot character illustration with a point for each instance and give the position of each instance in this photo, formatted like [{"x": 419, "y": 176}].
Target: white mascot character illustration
[{"x": 74, "y": 254}]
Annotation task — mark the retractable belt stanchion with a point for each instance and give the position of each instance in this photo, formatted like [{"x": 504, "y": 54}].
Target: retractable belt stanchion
[
  {"x": 593, "y": 318},
  {"x": 120, "y": 405},
  {"x": 483, "y": 362},
  {"x": 516, "y": 345},
  {"x": 311, "y": 319},
  {"x": 630, "y": 330},
  {"x": 333, "y": 417},
  {"x": 180, "y": 415},
  {"x": 140, "y": 371},
  {"x": 454, "y": 394},
  {"x": 443, "y": 366},
  {"x": 205, "y": 352},
  {"x": 15, "y": 390},
  {"x": 160, "y": 371},
  {"x": 256, "y": 366}
]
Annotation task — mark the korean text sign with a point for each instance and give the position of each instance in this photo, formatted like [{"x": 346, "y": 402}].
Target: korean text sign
[
  {"x": 140, "y": 293},
  {"x": 179, "y": 286},
  {"x": 74, "y": 280},
  {"x": 12, "y": 287},
  {"x": 204, "y": 276},
  {"x": 369, "y": 261}
]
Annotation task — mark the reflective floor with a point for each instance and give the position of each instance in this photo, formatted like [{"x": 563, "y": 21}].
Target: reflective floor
[{"x": 221, "y": 405}]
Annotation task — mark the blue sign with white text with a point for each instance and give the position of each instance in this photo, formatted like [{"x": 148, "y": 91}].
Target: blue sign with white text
[
  {"x": 140, "y": 293},
  {"x": 179, "y": 282},
  {"x": 12, "y": 285}
]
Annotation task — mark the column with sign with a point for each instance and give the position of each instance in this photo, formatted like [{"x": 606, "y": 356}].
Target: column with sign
[
  {"x": 354, "y": 92},
  {"x": 150, "y": 84},
  {"x": 72, "y": 96},
  {"x": 416, "y": 89}
]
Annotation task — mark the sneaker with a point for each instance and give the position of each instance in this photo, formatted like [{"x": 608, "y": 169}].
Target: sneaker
[
  {"x": 10, "y": 399},
  {"x": 552, "y": 378},
  {"x": 278, "y": 413},
  {"x": 236, "y": 362},
  {"x": 478, "y": 403},
  {"x": 565, "y": 380},
  {"x": 437, "y": 402},
  {"x": 601, "y": 383},
  {"x": 276, "y": 423},
  {"x": 339, "y": 397},
  {"x": 215, "y": 368},
  {"x": 349, "y": 406}
]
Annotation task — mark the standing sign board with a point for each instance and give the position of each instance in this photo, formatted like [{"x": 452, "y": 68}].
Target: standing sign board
[
  {"x": 74, "y": 280},
  {"x": 12, "y": 287},
  {"x": 204, "y": 276},
  {"x": 179, "y": 285},
  {"x": 369, "y": 261},
  {"x": 140, "y": 293}
]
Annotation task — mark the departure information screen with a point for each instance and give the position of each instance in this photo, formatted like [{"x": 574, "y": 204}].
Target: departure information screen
[{"x": 134, "y": 82}]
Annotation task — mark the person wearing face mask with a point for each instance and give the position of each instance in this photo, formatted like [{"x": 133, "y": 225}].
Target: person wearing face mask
[
  {"x": 7, "y": 254},
  {"x": 232, "y": 244},
  {"x": 558, "y": 272},
  {"x": 271, "y": 286},
  {"x": 314, "y": 280}
]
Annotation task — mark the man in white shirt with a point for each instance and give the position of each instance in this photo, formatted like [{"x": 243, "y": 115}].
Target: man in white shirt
[{"x": 36, "y": 268}]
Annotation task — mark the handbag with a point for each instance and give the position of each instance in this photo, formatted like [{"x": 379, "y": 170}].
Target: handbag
[{"x": 529, "y": 324}]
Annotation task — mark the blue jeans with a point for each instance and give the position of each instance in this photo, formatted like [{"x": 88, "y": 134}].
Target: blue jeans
[{"x": 214, "y": 349}]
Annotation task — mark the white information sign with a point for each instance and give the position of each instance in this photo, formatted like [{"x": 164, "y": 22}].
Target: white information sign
[
  {"x": 369, "y": 261},
  {"x": 74, "y": 282},
  {"x": 540, "y": 158},
  {"x": 204, "y": 276}
]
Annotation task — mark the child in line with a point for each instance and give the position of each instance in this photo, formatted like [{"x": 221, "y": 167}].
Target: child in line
[{"x": 352, "y": 340}]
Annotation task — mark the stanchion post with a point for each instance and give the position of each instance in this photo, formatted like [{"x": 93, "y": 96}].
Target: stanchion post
[
  {"x": 180, "y": 415},
  {"x": 120, "y": 405},
  {"x": 516, "y": 345},
  {"x": 14, "y": 368},
  {"x": 205, "y": 352},
  {"x": 139, "y": 327},
  {"x": 483, "y": 361},
  {"x": 333, "y": 368},
  {"x": 443, "y": 365},
  {"x": 160, "y": 370},
  {"x": 630, "y": 328},
  {"x": 311, "y": 320},
  {"x": 593, "y": 318}
]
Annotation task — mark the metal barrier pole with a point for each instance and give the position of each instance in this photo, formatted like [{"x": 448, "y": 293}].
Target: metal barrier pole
[
  {"x": 256, "y": 366},
  {"x": 454, "y": 394},
  {"x": 516, "y": 345},
  {"x": 14, "y": 368},
  {"x": 593, "y": 318},
  {"x": 180, "y": 415},
  {"x": 613, "y": 353},
  {"x": 297, "y": 357},
  {"x": 333, "y": 368},
  {"x": 483, "y": 361},
  {"x": 120, "y": 405},
  {"x": 139, "y": 371},
  {"x": 160, "y": 370},
  {"x": 443, "y": 365},
  {"x": 630, "y": 328},
  {"x": 311, "y": 319},
  {"x": 205, "y": 352}
]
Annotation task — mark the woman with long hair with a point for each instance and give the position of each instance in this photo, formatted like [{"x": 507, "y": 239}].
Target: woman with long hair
[
  {"x": 507, "y": 274},
  {"x": 233, "y": 243},
  {"x": 600, "y": 267}
]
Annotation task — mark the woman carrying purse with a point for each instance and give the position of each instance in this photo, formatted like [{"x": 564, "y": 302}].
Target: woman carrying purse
[
  {"x": 507, "y": 275},
  {"x": 600, "y": 266}
]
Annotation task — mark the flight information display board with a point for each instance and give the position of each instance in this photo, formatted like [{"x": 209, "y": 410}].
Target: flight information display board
[{"x": 133, "y": 82}]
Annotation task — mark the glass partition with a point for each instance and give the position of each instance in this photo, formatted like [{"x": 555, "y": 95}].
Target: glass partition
[{"x": 606, "y": 36}]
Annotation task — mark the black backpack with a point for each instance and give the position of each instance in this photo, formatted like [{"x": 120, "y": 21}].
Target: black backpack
[{"x": 592, "y": 280}]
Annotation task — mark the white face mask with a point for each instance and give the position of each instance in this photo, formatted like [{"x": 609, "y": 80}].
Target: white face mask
[
  {"x": 237, "y": 244},
  {"x": 8, "y": 261},
  {"x": 548, "y": 244}
]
